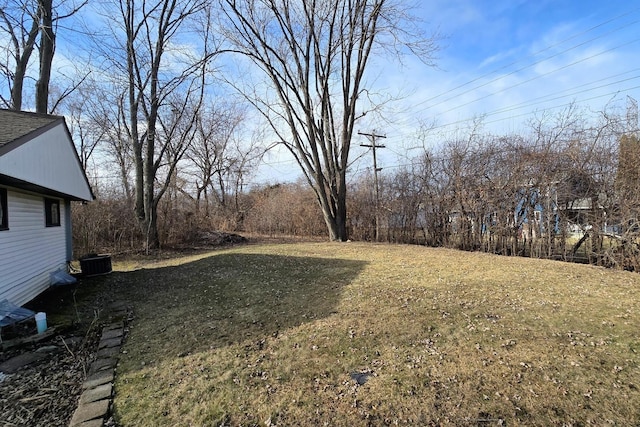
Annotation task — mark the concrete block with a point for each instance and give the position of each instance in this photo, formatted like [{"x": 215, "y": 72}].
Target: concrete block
[
  {"x": 112, "y": 342},
  {"x": 90, "y": 411},
  {"x": 112, "y": 333},
  {"x": 100, "y": 392},
  {"x": 92, "y": 423},
  {"x": 108, "y": 352},
  {"x": 102, "y": 364},
  {"x": 97, "y": 379}
]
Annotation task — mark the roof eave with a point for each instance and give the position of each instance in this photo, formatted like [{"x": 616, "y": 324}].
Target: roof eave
[{"x": 35, "y": 188}]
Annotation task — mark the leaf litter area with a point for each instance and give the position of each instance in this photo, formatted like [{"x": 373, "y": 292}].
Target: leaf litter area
[
  {"x": 41, "y": 379},
  {"x": 360, "y": 334},
  {"x": 42, "y": 374},
  {"x": 44, "y": 392}
]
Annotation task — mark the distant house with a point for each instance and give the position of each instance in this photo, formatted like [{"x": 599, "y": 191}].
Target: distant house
[{"x": 40, "y": 174}]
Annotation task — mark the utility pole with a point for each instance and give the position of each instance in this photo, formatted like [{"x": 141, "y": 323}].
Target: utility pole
[
  {"x": 632, "y": 116},
  {"x": 372, "y": 137}
]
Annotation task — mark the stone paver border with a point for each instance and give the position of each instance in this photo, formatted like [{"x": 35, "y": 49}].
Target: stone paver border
[{"x": 95, "y": 404}]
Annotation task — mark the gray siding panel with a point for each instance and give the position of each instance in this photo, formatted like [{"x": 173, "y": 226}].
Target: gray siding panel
[{"x": 29, "y": 251}]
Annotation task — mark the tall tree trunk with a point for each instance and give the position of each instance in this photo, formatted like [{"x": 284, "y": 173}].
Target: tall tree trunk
[
  {"x": 18, "y": 83},
  {"x": 341, "y": 210},
  {"x": 150, "y": 223},
  {"x": 47, "y": 49}
]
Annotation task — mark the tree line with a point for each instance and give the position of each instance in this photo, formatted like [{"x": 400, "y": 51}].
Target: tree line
[
  {"x": 568, "y": 189},
  {"x": 172, "y": 104}
]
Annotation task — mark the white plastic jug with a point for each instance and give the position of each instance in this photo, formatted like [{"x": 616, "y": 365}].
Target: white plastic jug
[{"x": 41, "y": 322}]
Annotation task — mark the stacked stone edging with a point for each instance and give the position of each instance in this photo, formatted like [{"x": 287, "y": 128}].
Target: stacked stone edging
[{"x": 94, "y": 406}]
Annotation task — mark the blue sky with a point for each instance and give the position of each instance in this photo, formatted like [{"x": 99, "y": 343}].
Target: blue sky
[
  {"x": 508, "y": 60},
  {"x": 505, "y": 60},
  {"x": 499, "y": 54}
]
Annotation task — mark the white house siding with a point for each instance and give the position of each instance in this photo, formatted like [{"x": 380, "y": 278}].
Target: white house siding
[
  {"x": 48, "y": 160},
  {"x": 29, "y": 251}
]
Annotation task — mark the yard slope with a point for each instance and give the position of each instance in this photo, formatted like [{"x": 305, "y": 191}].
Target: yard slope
[{"x": 362, "y": 334}]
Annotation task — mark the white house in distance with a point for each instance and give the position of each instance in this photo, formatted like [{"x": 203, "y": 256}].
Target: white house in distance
[{"x": 40, "y": 174}]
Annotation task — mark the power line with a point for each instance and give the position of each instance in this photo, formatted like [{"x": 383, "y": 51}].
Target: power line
[
  {"x": 533, "y": 55},
  {"x": 548, "y": 108},
  {"x": 555, "y": 96},
  {"x": 542, "y": 75},
  {"x": 525, "y": 104},
  {"x": 548, "y": 98},
  {"x": 529, "y": 65}
]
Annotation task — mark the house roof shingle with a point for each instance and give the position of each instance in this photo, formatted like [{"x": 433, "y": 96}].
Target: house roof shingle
[{"x": 14, "y": 125}]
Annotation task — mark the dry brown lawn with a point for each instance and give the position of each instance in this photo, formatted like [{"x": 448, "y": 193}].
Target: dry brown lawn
[{"x": 359, "y": 334}]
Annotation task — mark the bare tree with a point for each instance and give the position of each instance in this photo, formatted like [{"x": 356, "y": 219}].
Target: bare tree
[
  {"x": 23, "y": 21},
  {"x": 566, "y": 189},
  {"x": 111, "y": 119},
  {"x": 101, "y": 130},
  {"x": 362, "y": 221},
  {"x": 314, "y": 55},
  {"x": 163, "y": 80},
  {"x": 87, "y": 134},
  {"x": 400, "y": 201},
  {"x": 20, "y": 22},
  {"x": 219, "y": 157}
]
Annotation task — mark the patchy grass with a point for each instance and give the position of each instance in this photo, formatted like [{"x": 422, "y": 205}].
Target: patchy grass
[{"x": 360, "y": 334}]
